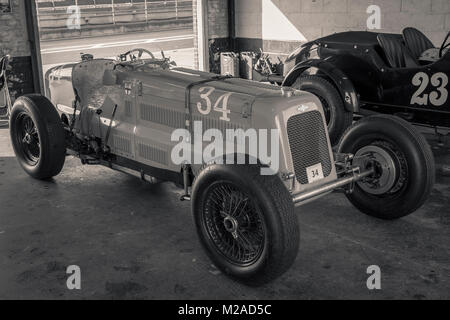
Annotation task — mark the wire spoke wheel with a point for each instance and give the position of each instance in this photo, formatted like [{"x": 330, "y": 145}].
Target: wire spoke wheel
[
  {"x": 234, "y": 223},
  {"x": 28, "y": 136},
  {"x": 245, "y": 221}
]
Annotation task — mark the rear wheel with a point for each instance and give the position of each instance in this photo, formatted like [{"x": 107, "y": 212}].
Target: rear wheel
[
  {"x": 37, "y": 136},
  {"x": 337, "y": 117},
  {"x": 245, "y": 221},
  {"x": 403, "y": 164}
]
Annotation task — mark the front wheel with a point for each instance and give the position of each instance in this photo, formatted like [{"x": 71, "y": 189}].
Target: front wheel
[
  {"x": 403, "y": 164},
  {"x": 37, "y": 136},
  {"x": 245, "y": 221}
]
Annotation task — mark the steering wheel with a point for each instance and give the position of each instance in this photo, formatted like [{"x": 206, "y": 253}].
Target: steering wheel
[
  {"x": 139, "y": 52},
  {"x": 445, "y": 45}
]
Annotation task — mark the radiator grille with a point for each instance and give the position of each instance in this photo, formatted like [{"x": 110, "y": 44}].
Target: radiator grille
[
  {"x": 308, "y": 143},
  {"x": 163, "y": 116},
  {"x": 152, "y": 154},
  {"x": 212, "y": 123},
  {"x": 177, "y": 119},
  {"x": 128, "y": 112}
]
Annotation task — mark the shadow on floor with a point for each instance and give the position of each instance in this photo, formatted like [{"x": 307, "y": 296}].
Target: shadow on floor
[{"x": 135, "y": 240}]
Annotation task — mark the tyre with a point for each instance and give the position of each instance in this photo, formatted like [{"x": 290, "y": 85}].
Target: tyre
[
  {"x": 337, "y": 117},
  {"x": 245, "y": 222},
  {"x": 403, "y": 164},
  {"x": 37, "y": 136}
]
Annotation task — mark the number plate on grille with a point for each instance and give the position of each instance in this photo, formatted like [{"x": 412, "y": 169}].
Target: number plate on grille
[{"x": 315, "y": 173}]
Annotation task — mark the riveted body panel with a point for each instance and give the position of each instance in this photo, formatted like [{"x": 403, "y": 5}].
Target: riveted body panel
[{"x": 141, "y": 108}]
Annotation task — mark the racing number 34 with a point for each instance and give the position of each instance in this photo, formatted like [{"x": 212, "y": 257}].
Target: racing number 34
[
  {"x": 437, "y": 98},
  {"x": 206, "y": 107}
]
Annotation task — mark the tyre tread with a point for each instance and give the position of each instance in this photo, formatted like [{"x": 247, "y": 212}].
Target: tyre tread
[
  {"x": 50, "y": 121},
  {"x": 424, "y": 149},
  {"x": 283, "y": 203}
]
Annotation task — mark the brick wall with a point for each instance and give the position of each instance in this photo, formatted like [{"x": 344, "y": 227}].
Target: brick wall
[
  {"x": 258, "y": 21},
  {"x": 217, "y": 32},
  {"x": 218, "y": 19},
  {"x": 13, "y": 33},
  {"x": 195, "y": 29},
  {"x": 217, "y": 24},
  {"x": 14, "y": 41}
]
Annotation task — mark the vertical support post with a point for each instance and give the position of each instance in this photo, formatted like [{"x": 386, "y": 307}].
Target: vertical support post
[
  {"x": 38, "y": 16},
  {"x": 113, "y": 12},
  {"x": 35, "y": 47},
  {"x": 232, "y": 24},
  {"x": 146, "y": 10},
  {"x": 176, "y": 9},
  {"x": 202, "y": 35}
]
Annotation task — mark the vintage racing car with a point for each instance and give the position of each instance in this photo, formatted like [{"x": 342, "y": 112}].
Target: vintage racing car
[
  {"x": 124, "y": 112},
  {"x": 404, "y": 75}
]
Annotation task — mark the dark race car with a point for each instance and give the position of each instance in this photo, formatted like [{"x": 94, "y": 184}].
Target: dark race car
[{"x": 353, "y": 72}]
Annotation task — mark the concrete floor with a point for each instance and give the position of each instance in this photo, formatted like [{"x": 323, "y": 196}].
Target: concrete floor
[{"x": 134, "y": 240}]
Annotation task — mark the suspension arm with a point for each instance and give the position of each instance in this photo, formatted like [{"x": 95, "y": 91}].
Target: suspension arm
[{"x": 339, "y": 183}]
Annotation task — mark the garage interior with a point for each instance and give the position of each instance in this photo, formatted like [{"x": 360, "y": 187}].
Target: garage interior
[{"x": 135, "y": 240}]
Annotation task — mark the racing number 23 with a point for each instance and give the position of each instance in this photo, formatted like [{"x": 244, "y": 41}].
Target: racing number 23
[
  {"x": 206, "y": 107},
  {"x": 437, "y": 98}
]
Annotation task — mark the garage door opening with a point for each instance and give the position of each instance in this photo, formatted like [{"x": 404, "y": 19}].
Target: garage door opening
[{"x": 108, "y": 28}]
